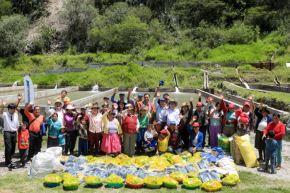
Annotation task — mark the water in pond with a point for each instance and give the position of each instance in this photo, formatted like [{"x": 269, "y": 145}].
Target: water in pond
[{"x": 72, "y": 95}]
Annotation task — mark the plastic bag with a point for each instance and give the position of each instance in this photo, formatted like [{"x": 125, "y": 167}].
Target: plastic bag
[
  {"x": 231, "y": 180},
  {"x": 209, "y": 175},
  {"x": 248, "y": 154},
  {"x": 44, "y": 163},
  {"x": 235, "y": 151},
  {"x": 93, "y": 181},
  {"x": 224, "y": 143},
  {"x": 192, "y": 183},
  {"x": 56, "y": 151},
  {"x": 134, "y": 181},
  {"x": 52, "y": 180},
  {"x": 169, "y": 182},
  {"x": 71, "y": 183},
  {"x": 178, "y": 176},
  {"x": 211, "y": 186}
]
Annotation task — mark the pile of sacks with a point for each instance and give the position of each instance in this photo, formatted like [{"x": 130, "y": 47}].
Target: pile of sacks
[
  {"x": 240, "y": 149},
  {"x": 201, "y": 170}
]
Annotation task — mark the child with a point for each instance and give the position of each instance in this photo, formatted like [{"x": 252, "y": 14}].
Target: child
[
  {"x": 150, "y": 142},
  {"x": 23, "y": 142},
  {"x": 82, "y": 128},
  {"x": 271, "y": 152},
  {"x": 163, "y": 141},
  {"x": 175, "y": 141},
  {"x": 143, "y": 119}
]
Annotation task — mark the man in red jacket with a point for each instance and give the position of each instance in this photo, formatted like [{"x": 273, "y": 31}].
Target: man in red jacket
[{"x": 279, "y": 128}]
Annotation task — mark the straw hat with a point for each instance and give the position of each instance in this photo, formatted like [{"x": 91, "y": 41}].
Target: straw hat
[{"x": 70, "y": 107}]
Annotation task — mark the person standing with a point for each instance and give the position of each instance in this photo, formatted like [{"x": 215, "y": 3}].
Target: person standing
[
  {"x": 35, "y": 122},
  {"x": 271, "y": 152},
  {"x": 229, "y": 121},
  {"x": 184, "y": 126},
  {"x": 111, "y": 143},
  {"x": 71, "y": 132},
  {"x": 54, "y": 128},
  {"x": 95, "y": 130},
  {"x": 130, "y": 126},
  {"x": 263, "y": 119},
  {"x": 143, "y": 119},
  {"x": 215, "y": 127},
  {"x": 279, "y": 129},
  {"x": 23, "y": 143},
  {"x": 11, "y": 124}
]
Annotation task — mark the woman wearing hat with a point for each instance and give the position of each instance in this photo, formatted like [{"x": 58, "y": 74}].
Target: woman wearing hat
[
  {"x": 263, "y": 120},
  {"x": 186, "y": 116},
  {"x": 95, "y": 130},
  {"x": 111, "y": 143},
  {"x": 229, "y": 120},
  {"x": 71, "y": 132}
]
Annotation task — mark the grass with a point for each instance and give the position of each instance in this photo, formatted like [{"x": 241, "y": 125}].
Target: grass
[
  {"x": 249, "y": 183},
  {"x": 275, "y": 99}
]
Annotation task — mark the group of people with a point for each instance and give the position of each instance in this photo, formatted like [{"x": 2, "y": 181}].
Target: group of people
[{"x": 139, "y": 125}]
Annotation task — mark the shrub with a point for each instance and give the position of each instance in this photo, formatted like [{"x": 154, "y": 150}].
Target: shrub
[
  {"x": 240, "y": 33},
  {"x": 12, "y": 33}
]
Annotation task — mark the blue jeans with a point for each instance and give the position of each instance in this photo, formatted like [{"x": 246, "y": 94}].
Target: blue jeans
[
  {"x": 279, "y": 153},
  {"x": 140, "y": 138},
  {"x": 174, "y": 150},
  {"x": 83, "y": 147},
  {"x": 272, "y": 160}
]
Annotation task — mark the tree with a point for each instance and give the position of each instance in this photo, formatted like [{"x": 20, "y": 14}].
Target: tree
[
  {"x": 191, "y": 12},
  {"x": 5, "y": 7},
  {"x": 78, "y": 16},
  {"x": 12, "y": 33}
]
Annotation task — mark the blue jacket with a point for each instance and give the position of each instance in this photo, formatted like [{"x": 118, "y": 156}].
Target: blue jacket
[
  {"x": 271, "y": 148},
  {"x": 199, "y": 140}
]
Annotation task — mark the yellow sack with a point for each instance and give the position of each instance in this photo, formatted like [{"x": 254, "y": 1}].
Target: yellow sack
[{"x": 248, "y": 154}]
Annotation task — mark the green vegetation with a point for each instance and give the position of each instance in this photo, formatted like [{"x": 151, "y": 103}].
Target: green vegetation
[
  {"x": 274, "y": 99},
  {"x": 249, "y": 183}
]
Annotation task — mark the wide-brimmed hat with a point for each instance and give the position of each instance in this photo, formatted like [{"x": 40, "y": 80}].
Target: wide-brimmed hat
[
  {"x": 140, "y": 94},
  {"x": 58, "y": 101},
  {"x": 70, "y": 107},
  {"x": 173, "y": 101},
  {"x": 95, "y": 106},
  {"x": 185, "y": 104}
]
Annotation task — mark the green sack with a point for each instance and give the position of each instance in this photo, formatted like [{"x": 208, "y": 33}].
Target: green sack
[{"x": 224, "y": 143}]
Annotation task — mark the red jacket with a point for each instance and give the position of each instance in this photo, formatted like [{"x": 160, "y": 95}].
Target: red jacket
[
  {"x": 129, "y": 124},
  {"x": 23, "y": 139},
  {"x": 279, "y": 130}
]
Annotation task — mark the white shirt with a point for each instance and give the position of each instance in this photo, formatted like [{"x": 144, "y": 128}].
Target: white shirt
[
  {"x": 8, "y": 124},
  {"x": 149, "y": 135},
  {"x": 263, "y": 124},
  {"x": 173, "y": 116}
]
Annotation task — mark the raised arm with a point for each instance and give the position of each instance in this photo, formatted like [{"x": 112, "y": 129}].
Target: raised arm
[{"x": 113, "y": 96}]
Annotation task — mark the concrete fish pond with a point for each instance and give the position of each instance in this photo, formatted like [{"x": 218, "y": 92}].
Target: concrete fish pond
[{"x": 208, "y": 171}]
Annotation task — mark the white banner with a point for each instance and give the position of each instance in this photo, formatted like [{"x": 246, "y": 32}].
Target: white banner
[{"x": 28, "y": 90}]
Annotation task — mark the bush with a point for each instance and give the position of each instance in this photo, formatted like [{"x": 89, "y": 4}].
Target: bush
[
  {"x": 240, "y": 33},
  {"x": 5, "y": 7},
  {"x": 12, "y": 34},
  {"x": 121, "y": 37}
]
